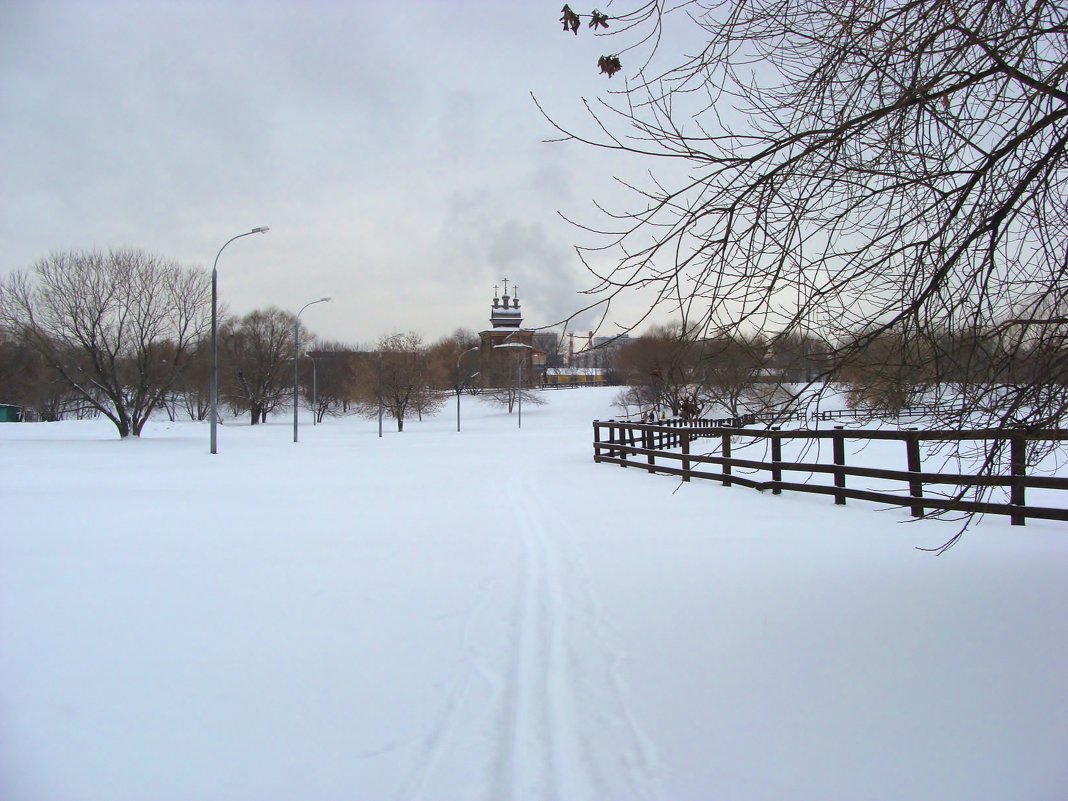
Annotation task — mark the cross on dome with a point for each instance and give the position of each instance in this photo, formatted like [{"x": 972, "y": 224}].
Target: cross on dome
[{"x": 505, "y": 313}]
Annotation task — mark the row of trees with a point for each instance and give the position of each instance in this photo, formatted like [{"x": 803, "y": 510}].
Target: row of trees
[
  {"x": 404, "y": 377},
  {"x": 703, "y": 376},
  {"x": 946, "y": 373},
  {"x": 124, "y": 334}
]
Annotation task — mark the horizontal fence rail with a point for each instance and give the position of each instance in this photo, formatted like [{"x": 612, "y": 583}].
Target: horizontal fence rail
[
  {"x": 665, "y": 447},
  {"x": 863, "y": 412}
]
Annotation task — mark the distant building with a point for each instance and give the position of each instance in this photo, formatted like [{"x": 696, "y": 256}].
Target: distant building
[
  {"x": 9, "y": 413},
  {"x": 574, "y": 376},
  {"x": 611, "y": 343},
  {"x": 506, "y": 331}
]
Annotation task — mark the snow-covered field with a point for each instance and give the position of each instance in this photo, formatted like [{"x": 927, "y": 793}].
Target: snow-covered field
[{"x": 490, "y": 615}]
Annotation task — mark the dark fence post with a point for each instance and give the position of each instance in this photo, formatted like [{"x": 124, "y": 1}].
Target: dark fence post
[
  {"x": 912, "y": 450},
  {"x": 839, "y": 461},
  {"x": 776, "y": 459},
  {"x": 647, "y": 443},
  {"x": 597, "y": 440},
  {"x": 1018, "y": 467},
  {"x": 726, "y": 439},
  {"x": 685, "y": 440}
]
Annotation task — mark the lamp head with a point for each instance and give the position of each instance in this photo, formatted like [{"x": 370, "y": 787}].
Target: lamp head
[{"x": 261, "y": 230}]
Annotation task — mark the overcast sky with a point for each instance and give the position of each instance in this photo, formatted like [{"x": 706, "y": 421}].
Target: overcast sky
[{"x": 392, "y": 147}]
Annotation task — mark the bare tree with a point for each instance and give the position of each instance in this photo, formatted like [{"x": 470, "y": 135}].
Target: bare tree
[
  {"x": 640, "y": 397},
  {"x": 464, "y": 337},
  {"x": 257, "y": 351},
  {"x": 507, "y": 396},
  {"x": 26, "y": 380},
  {"x": 116, "y": 327},
  {"x": 191, "y": 389},
  {"x": 799, "y": 358},
  {"x": 666, "y": 364},
  {"x": 881, "y": 379},
  {"x": 736, "y": 375},
  {"x": 443, "y": 355},
  {"x": 851, "y": 170},
  {"x": 507, "y": 376},
  {"x": 399, "y": 377},
  {"x": 335, "y": 378}
]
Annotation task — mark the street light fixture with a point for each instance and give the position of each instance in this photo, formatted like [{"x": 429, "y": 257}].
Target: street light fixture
[
  {"x": 214, "y": 391},
  {"x": 296, "y": 361},
  {"x": 459, "y": 386}
]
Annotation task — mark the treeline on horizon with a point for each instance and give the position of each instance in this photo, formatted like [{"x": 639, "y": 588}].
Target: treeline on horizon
[{"x": 125, "y": 333}]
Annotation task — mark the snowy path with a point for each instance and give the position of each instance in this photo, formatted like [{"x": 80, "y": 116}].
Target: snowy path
[
  {"x": 541, "y": 686},
  {"x": 572, "y": 732}
]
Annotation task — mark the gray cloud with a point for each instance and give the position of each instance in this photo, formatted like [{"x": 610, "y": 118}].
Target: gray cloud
[{"x": 392, "y": 147}]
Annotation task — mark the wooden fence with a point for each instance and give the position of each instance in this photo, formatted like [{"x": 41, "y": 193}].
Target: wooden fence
[
  {"x": 860, "y": 412},
  {"x": 666, "y": 448}
]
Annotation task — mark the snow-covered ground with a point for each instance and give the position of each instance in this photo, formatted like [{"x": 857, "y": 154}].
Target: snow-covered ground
[{"x": 490, "y": 615}]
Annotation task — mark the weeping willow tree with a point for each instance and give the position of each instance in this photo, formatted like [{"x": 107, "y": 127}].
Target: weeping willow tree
[{"x": 861, "y": 171}]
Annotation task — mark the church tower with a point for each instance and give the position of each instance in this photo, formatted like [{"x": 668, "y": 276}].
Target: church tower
[
  {"x": 506, "y": 320},
  {"x": 506, "y": 314},
  {"x": 506, "y": 328}
]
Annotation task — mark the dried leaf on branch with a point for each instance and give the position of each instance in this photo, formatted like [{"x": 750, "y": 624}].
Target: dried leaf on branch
[
  {"x": 570, "y": 20},
  {"x": 609, "y": 65}
]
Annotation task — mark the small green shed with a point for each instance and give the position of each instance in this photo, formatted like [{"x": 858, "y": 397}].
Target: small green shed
[{"x": 10, "y": 413}]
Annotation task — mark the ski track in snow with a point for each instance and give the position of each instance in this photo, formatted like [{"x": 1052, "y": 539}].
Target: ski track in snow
[
  {"x": 534, "y": 760},
  {"x": 461, "y": 708},
  {"x": 546, "y": 698}
]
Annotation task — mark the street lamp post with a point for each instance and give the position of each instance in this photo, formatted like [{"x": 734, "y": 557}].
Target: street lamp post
[
  {"x": 459, "y": 385},
  {"x": 520, "y": 390},
  {"x": 214, "y": 390},
  {"x": 296, "y": 361}
]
